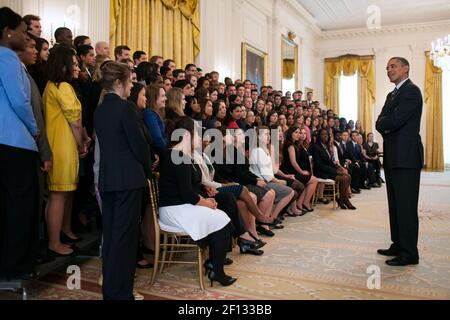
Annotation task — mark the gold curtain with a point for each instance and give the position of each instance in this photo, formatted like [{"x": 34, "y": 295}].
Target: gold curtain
[
  {"x": 349, "y": 65},
  {"x": 288, "y": 69},
  {"x": 333, "y": 71},
  {"x": 170, "y": 28},
  {"x": 433, "y": 100},
  {"x": 367, "y": 92}
]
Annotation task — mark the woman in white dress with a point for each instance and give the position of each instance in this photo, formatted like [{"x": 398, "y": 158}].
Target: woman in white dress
[{"x": 183, "y": 209}]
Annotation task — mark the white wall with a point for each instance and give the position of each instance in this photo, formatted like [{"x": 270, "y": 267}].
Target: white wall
[
  {"x": 407, "y": 42},
  {"x": 83, "y": 17},
  {"x": 226, "y": 24}
]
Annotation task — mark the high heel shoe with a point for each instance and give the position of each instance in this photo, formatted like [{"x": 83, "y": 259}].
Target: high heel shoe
[
  {"x": 224, "y": 280},
  {"x": 342, "y": 204},
  {"x": 259, "y": 241},
  {"x": 264, "y": 231},
  {"x": 307, "y": 209},
  {"x": 252, "y": 244},
  {"x": 209, "y": 266},
  {"x": 349, "y": 205},
  {"x": 246, "y": 247}
]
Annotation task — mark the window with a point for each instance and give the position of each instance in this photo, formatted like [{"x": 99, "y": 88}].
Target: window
[
  {"x": 289, "y": 85},
  {"x": 446, "y": 114},
  {"x": 348, "y": 97}
]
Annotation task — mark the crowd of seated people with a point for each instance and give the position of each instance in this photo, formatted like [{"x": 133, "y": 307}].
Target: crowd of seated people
[{"x": 90, "y": 129}]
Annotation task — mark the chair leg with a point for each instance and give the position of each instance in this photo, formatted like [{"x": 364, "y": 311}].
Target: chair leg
[
  {"x": 200, "y": 269},
  {"x": 164, "y": 254},
  {"x": 171, "y": 254},
  {"x": 155, "y": 263},
  {"x": 334, "y": 197}
]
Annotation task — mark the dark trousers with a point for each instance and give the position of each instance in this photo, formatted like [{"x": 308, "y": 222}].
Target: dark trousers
[
  {"x": 403, "y": 196},
  {"x": 19, "y": 212},
  {"x": 121, "y": 213},
  {"x": 355, "y": 172}
]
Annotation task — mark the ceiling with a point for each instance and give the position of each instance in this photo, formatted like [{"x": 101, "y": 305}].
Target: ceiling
[{"x": 349, "y": 14}]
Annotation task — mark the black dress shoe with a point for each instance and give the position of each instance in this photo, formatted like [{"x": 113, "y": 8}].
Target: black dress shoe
[
  {"x": 264, "y": 231},
  {"x": 228, "y": 262},
  {"x": 388, "y": 253},
  {"x": 67, "y": 240},
  {"x": 356, "y": 191},
  {"x": 401, "y": 262}
]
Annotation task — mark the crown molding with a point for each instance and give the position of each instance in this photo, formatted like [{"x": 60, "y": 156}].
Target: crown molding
[
  {"x": 297, "y": 8},
  {"x": 360, "y": 32}
]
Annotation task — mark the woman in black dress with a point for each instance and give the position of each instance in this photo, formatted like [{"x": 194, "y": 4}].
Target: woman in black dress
[
  {"x": 372, "y": 154},
  {"x": 296, "y": 162}
]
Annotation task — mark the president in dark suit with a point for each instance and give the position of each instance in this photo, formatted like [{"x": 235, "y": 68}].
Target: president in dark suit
[
  {"x": 399, "y": 124},
  {"x": 124, "y": 167}
]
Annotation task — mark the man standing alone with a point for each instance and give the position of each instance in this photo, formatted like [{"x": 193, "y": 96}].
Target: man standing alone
[{"x": 399, "y": 124}]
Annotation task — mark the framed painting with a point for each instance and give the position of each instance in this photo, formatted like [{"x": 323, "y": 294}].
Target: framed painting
[{"x": 255, "y": 65}]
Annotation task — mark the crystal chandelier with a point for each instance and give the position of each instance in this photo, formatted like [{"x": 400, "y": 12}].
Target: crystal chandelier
[{"x": 440, "y": 53}]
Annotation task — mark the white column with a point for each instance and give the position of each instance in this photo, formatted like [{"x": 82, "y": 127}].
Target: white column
[
  {"x": 15, "y": 5},
  {"x": 275, "y": 76},
  {"x": 98, "y": 22}
]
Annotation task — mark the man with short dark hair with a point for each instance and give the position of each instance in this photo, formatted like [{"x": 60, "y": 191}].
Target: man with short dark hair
[
  {"x": 139, "y": 57},
  {"x": 63, "y": 36},
  {"x": 240, "y": 91},
  {"x": 179, "y": 74},
  {"x": 33, "y": 25},
  {"x": 191, "y": 69},
  {"x": 399, "y": 124},
  {"x": 309, "y": 98},
  {"x": 122, "y": 53},
  {"x": 277, "y": 101},
  {"x": 231, "y": 90},
  {"x": 254, "y": 95}
]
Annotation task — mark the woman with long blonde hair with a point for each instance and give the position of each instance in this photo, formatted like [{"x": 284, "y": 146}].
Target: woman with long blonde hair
[{"x": 175, "y": 104}]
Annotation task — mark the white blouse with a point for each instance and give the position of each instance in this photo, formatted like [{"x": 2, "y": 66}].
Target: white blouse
[{"x": 261, "y": 164}]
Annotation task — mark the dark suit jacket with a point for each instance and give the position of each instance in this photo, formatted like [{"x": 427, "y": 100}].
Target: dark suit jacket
[
  {"x": 324, "y": 167},
  {"x": 124, "y": 154},
  {"x": 399, "y": 124},
  {"x": 341, "y": 153},
  {"x": 355, "y": 152}
]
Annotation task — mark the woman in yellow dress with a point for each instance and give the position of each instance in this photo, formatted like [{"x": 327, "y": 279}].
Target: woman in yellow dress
[{"x": 68, "y": 141}]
